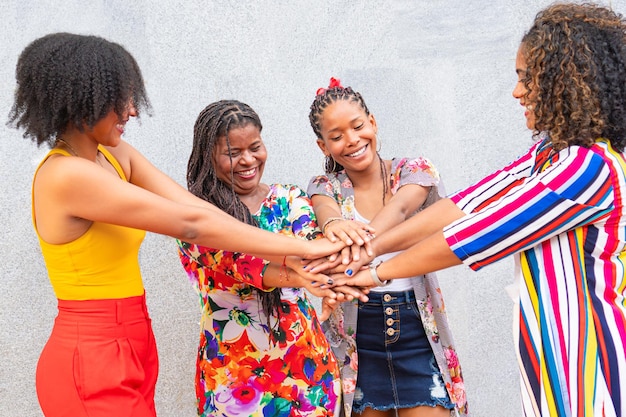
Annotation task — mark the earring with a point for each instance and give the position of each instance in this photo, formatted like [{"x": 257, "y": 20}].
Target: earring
[
  {"x": 328, "y": 168},
  {"x": 379, "y": 143}
]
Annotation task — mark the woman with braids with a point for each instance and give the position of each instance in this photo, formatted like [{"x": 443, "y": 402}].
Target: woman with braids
[
  {"x": 94, "y": 196},
  {"x": 262, "y": 351},
  {"x": 404, "y": 343},
  {"x": 559, "y": 209}
]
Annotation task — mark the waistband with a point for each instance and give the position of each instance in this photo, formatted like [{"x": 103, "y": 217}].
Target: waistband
[
  {"x": 115, "y": 310},
  {"x": 391, "y": 297}
]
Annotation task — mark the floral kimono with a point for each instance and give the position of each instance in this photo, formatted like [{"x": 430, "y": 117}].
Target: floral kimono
[
  {"x": 340, "y": 328},
  {"x": 246, "y": 368}
]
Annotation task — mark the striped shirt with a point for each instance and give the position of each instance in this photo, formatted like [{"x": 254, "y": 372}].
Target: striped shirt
[{"x": 562, "y": 215}]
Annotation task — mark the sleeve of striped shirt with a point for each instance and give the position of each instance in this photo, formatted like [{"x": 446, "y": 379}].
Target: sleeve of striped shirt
[
  {"x": 496, "y": 185},
  {"x": 574, "y": 191}
]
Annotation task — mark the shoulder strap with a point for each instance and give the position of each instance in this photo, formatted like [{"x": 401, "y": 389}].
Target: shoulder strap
[{"x": 109, "y": 157}]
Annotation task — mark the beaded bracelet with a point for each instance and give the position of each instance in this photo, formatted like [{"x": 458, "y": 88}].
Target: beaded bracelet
[
  {"x": 283, "y": 271},
  {"x": 329, "y": 221}
]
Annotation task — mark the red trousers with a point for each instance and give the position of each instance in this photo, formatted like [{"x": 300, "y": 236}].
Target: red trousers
[{"x": 101, "y": 360}]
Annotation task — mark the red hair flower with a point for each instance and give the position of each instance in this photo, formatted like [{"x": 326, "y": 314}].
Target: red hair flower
[{"x": 334, "y": 82}]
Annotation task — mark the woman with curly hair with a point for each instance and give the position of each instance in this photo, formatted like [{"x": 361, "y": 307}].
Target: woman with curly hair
[
  {"x": 559, "y": 209},
  {"x": 93, "y": 198}
]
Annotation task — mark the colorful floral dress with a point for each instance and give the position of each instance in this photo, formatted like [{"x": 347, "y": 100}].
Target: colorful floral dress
[
  {"x": 244, "y": 367},
  {"x": 340, "y": 328}
]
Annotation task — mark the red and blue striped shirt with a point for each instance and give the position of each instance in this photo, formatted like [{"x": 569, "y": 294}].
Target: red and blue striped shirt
[{"x": 563, "y": 217}]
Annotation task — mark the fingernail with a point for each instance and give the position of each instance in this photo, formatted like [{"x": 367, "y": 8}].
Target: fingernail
[
  {"x": 349, "y": 272},
  {"x": 330, "y": 281}
]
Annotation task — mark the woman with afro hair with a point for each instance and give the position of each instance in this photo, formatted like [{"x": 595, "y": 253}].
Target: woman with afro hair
[{"x": 93, "y": 198}]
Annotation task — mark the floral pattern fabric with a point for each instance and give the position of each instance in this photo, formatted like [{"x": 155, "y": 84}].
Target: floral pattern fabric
[
  {"x": 245, "y": 367},
  {"x": 340, "y": 328}
]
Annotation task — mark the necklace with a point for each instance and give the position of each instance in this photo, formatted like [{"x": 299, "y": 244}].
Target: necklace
[
  {"x": 73, "y": 152},
  {"x": 68, "y": 146}
]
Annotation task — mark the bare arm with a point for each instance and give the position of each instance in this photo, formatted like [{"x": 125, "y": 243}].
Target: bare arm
[
  {"x": 349, "y": 231},
  {"x": 404, "y": 203},
  {"x": 408, "y": 199},
  {"x": 429, "y": 255},
  {"x": 142, "y": 173},
  {"x": 83, "y": 190},
  {"x": 425, "y": 223}
]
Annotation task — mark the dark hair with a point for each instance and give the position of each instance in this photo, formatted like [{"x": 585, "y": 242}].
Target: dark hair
[
  {"x": 576, "y": 58},
  {"x": 323, "y": 100},
  {"x": 213, "y": 123},
  {"x": 65, "y": 79}
]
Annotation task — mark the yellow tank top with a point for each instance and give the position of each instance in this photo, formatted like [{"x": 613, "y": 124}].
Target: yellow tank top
[{"x": 102, "y": 263}]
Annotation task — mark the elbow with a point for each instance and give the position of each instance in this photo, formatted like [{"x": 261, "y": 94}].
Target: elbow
[{"x": 190, "y": 231}]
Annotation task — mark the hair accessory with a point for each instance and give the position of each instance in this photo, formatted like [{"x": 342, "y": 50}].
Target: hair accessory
[{"x": 334, "y": 82}]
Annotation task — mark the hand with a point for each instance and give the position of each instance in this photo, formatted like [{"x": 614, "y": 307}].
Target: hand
[
  {"x": 327, "y": 264},
  {"x": 358, "y": 264},
  {"x": 328, "y": 306},
  {"x": 348, "y": 293},
  {"x": 334, "y": 267},
  {"x": 316, "y": 279},
  {"x": 323, "y": 292},
  {"x": 320, "y": 248},
  {"x": 362, "y": 279},
  {"x": 350, "y": 232}
]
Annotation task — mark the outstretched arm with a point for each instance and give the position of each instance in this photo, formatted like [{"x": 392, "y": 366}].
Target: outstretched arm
[
  {"x": 429, "y": 255},
  {"x": 425, "y": 223},
  {"x": 81, "y": 189}
]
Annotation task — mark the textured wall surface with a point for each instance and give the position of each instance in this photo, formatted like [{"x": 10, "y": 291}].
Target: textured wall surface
[{"x": 437, "y": 74}]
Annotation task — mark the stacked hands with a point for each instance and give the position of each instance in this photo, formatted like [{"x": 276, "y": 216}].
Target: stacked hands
[{"x": 343, "y": 276}]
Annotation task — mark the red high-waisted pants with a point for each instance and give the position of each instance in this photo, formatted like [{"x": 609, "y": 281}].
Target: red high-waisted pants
[{"x": 100, "y": 361}]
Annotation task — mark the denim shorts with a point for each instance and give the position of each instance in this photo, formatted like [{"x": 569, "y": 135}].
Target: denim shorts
[{"x": 397, "y": 368}]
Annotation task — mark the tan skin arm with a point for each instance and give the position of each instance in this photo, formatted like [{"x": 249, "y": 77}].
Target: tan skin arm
[
  {"x": 429, "y": 255},
  {"x": 406, "y": 234},
  {"x": 276, "y": 276},
  {"x": 71, "y": 192},
  {"x": 408, "y": 199},
  {"x": 142, "y": 173},
  {"x": 428, "y": 221}
]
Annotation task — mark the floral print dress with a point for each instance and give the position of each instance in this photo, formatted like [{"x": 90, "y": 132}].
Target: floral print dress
[
  {"x": 244, "y": 367},
  {"x": 340, "y": 328}
]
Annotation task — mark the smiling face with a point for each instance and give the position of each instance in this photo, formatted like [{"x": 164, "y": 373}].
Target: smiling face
[
  {"x": 520, "y": 91},
  {"x": 246, "y": 158},
  {"x": 348, "y": 135},
  {"x": 108, "y": 131}
]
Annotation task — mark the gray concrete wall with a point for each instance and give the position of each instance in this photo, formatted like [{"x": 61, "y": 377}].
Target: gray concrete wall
[{"x": 438, "y": 75}]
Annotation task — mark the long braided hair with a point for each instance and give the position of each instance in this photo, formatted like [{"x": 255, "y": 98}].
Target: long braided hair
[
  {"x": 326, "y": 97},
  {"x": 213, "y": 123}
]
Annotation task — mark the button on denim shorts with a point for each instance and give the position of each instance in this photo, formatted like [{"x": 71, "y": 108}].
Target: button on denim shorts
[{"x": 397, "y": 368}]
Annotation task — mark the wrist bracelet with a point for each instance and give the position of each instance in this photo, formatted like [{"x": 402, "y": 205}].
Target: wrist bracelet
[
  {"x": 374, "y": 275},
  {"x": 329, "y": 221}
]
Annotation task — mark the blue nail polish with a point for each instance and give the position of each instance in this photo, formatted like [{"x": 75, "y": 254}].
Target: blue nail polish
[{"x": 349, "y": 272}]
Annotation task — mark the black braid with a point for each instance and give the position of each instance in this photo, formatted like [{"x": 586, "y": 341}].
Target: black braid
[
  {"x": 323, "y": 100},
  {"x": 213, "y": 123}
]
